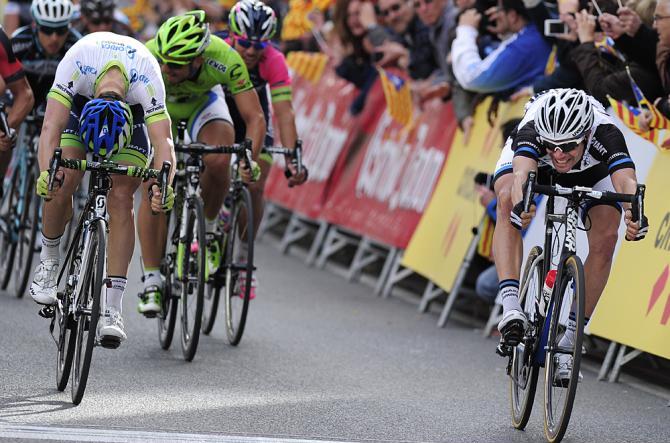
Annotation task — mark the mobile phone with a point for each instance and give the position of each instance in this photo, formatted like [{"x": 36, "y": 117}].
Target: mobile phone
[{"x": 555, "y": 27}]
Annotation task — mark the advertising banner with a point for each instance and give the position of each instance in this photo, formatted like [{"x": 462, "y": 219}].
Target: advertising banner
[
  {"x": 388, "y": 183},
  {"x": 325, "y": 126},
  {"x": 441, "y": 240}
]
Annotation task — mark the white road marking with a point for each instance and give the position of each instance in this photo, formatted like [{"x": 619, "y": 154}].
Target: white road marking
[{"x": 14, "y": 431}]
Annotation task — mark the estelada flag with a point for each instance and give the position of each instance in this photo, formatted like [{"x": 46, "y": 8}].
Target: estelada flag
[{"x": 398, "y": 97}]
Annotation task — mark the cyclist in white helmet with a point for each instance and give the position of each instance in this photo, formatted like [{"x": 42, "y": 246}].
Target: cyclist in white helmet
[{"x": 568, "y": 131}]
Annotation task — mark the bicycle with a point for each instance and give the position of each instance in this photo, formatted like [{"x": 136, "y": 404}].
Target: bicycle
[
  {"x": 237, "y": 305},
  {"x": 184, "y": 263},
  {"x": 539, "y": 345},
  {"x": 81, "y": 278},
  {"x": 20, "y": 215}
]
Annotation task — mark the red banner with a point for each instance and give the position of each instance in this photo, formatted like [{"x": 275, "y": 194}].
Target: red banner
[
  {"x": 388, "y": 183},
  {"x": 325, "y": 126}
]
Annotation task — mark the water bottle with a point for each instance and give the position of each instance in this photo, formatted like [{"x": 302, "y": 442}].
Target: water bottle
[{"x": 546, "y": 292}]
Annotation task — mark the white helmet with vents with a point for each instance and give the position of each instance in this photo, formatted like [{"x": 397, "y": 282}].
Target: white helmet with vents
[
  {"x": 52, "y": 13},
  {"x": 564, "y": 115}
]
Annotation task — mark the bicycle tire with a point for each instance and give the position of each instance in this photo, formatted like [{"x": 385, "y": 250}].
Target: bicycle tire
[
  {"x": 211, "y": 301},
  {"x": 27, "y": 238},
  {"x": 523, "y": 380},
  {"x": 7, "y": 243},
  {"x": 67, "y": 324},
  {"x": 571, "y": 269},
  {"x": 167, "y": 319},
  {"x": 195, "y": 233},
  {"x": 236, "y": 313},
  {"x": 91, "y": 287}
]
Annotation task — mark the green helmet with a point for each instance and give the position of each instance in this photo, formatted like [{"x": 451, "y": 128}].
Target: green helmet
[{"x": 182, "y": 38}]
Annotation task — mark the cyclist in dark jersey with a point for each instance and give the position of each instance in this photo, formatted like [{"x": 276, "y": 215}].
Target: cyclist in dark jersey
[
  {"x": 41, "y": 46},
  {"x": 252, "y": 24},
  {"x": 99, "y": 15},
  {"x": 569, "y": 132},
  {"x": 14, "y": 79}
]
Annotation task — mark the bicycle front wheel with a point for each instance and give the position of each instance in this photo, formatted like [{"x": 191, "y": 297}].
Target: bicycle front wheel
[
  {"x": 170, "y": 298},
  {"x": 27, "y": 236},
  {"x": 559, "y": 390},
  {"x": 193, "y": 282},
  {"x": 9, "y": 222},
  {"x": 524, "y": 369},
  {"x": 87, "y": 308},
  {"x": 239, "y": 265}
]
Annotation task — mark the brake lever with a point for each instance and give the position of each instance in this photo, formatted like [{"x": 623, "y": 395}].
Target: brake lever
[{"x": 528, "y": 191}]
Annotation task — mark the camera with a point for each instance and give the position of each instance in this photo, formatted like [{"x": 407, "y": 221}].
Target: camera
[{"x": 555, "y": 27}]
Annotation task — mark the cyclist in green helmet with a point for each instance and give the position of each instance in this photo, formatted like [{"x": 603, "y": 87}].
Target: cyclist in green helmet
[{"x": 195, "y": 66}]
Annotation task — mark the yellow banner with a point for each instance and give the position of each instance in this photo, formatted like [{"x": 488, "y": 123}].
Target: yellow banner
[
  {"x": 635, "y": 307},
  {"x": 442, "y": 237}
]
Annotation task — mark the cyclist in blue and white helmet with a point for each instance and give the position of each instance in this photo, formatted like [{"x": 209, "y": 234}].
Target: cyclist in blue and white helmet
[{"x": 105, "y": 126}]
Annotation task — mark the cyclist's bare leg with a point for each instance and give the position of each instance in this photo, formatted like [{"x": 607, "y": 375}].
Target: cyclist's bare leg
[
  {"x": 214, "y": 179},
  {"x": 58, "y": 211},
  {"x": 151, "y": 230},
  {"x": 602, "y": 241},
  {"x": 257, "y": 190},
  {"x": 507, "y": 245},
  {"x": 121, "y": 226}
]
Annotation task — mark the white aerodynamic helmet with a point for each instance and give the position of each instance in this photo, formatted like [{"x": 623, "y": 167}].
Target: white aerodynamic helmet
[
  {"x": 52, "y": 13},
  {"x": 565, "y": 115}
]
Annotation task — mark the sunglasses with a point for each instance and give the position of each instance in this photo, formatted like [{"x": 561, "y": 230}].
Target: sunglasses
[
  {"x": 393, "y": 8},
  {"x": 248, "y": 43},
  {"x": 62, "y": 30},
  {"x": 417, "y": 4},
  {"x": 172, "y": 65},
  {"x": 100, "y": 21},
  {"x": 564, "y": 147}
]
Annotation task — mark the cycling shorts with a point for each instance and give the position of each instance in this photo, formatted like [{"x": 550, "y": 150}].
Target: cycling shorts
[{"x": 212, "y": 106}]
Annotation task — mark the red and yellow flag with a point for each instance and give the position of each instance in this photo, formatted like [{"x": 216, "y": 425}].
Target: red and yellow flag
[{"x": 398, "y": 97}]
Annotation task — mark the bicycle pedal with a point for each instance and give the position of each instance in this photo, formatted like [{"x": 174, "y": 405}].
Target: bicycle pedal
[
  {"x": 512, "y": 333},
  {"x": 47, "y": 312},
  {"x": 150, "y": 314},
  {"x": 108, "y": 342},
  {"x": 503, "y": 350}
]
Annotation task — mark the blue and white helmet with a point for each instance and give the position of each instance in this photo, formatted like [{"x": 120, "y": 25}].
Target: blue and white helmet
[
  {"x": 52, "y": 13},
  {"x": 105, "y": 126}
]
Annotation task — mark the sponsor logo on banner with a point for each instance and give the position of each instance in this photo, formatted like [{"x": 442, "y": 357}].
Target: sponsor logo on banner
[{"x": 397, "y": 173}]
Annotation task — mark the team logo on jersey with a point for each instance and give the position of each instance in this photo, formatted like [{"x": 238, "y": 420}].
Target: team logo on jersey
[
  {"x": 236, "y": 72},
  {"x": 216, "y": 65},
  {"x": 131, "y": 52},
  {"x": 135, "y": 76},
  {"x": 86, "y": 69}
]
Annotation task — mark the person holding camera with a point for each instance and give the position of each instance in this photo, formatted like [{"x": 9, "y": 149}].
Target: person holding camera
[{"x": 518, "y": 61}]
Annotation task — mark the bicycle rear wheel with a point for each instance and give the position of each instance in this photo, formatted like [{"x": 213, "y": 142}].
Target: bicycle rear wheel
[
  {"x": 8, "y": 228},
  {"x": 193, "y": 284},
  {"x": 239, "y": 272},
  {"x": 211, "y": 299},
  {"x": 524, "y": 369},
  {"x": 559, "y": 398},
  {"x": 88, "y": 307},
  {"x": 27, "y": 236},
  {"x": 169, "y": 298}
]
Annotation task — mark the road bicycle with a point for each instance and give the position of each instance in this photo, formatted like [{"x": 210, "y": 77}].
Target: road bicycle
[
  {"x": 20, "y": 206},
  {"x": 547, "y": 317},
  {"x": 235, "y": 227},
  {"x": 184, "y": 264},
  {"x": 74, "y": 318}
]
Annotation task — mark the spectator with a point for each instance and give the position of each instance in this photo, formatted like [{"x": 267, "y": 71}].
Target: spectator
[
  {"x": 607, "y": 75},
  {"x": 440, "y": 17},
  {"x": 400, "y": 17},
  {"x": 518, "y": 61},
  {"x": 17, "y": 14},
  {"x": 662, "y": 26},
  {"x": 387, "y": 47},
  {"x": 355, "y": 63}
]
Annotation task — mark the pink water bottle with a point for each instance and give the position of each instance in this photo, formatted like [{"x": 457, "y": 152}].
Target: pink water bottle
[{"x": 546, "y": 292}]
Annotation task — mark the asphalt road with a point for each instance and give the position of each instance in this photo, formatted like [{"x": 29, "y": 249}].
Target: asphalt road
[{"x": 321, "y": 359}]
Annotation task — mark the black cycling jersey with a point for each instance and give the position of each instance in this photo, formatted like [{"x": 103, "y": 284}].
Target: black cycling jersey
[
  {"x": 40, "y": 69},
  {"x": 605, "y": 152},
  {"x": 117, "y": 28}
]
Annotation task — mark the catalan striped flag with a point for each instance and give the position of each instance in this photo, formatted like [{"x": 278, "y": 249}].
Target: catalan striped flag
[
  {"x": 485, "y": 244},
  {"x": 550, "y": 67},
  {"x": 607, "y": 46},
  {"x": 658, "y": 120},
  {"x": 309, "y": 65},
  {"x": 630, "y": 115},
  {"x": 398, "y": 97}
]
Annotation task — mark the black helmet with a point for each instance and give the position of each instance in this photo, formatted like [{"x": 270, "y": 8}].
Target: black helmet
[{"x": 97, "y": 9}]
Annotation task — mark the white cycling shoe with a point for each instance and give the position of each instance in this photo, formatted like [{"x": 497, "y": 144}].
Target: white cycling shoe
[
  {"x": 512, "y": 327},
  {"x": 44, "y": 287},
  {"x": 111, "y": 330},
  {"x": 563, "y": 370}
]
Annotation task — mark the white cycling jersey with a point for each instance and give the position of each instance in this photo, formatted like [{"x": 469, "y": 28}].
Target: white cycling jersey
[{"x": 93, "y": 55}]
